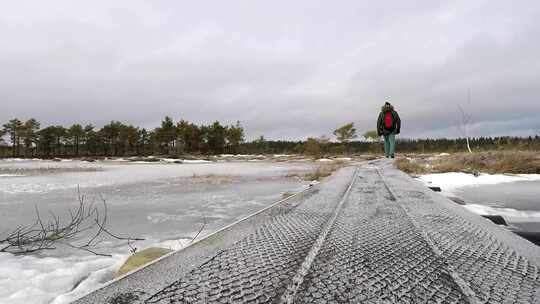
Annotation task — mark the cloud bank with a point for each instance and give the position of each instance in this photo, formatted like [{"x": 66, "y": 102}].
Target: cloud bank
[{"x": 286, "y": 70}]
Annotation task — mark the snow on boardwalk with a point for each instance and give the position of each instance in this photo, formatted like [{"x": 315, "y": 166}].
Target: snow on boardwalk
[{"x": 367, "y": 235}]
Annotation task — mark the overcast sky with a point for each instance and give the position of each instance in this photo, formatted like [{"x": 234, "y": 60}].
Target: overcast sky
[{"x": 285, "y": 69}]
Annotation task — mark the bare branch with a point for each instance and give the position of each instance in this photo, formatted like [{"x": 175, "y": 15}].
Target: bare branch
[
  {"x": 465, "y": 120},
  {"x": 43, "y": 235},
  {"x": 200, "y": 230}
]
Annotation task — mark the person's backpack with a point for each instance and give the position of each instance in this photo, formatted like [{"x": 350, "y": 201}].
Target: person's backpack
[{"x": 388, "y": 120}]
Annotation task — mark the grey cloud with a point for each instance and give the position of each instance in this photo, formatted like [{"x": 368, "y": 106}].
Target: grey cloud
[{"x": 285, "y": 69}]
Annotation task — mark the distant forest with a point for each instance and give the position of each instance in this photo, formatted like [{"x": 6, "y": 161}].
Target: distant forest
[{"x": 176, "y": 139}]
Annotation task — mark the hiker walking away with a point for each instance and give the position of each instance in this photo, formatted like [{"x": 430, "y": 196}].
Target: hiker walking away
[{"x": 388, "y": 125}]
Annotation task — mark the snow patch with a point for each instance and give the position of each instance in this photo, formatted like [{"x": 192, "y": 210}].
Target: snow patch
[
  {"x": 31, "y": 279},
  {"x": 452, "y": 181},
  {"x": 511, "y": 214},
  {"x": 173, "y": 244},
  {"x": 196, "y": 161},
  {"x": 120, "y": 159},
  {"x": 240, "y": 156}
]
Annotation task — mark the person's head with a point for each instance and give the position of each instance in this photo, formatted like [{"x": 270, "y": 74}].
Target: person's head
[{"x": 387, "y": 107}]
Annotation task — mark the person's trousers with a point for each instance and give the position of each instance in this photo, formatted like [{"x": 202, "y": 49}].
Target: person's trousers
[{"x": 389, "y": 144}]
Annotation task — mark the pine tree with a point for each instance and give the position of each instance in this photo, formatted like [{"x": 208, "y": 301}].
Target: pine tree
[
  {"x": 29, "y": 134},
  {"x": 14, "y": 129},
  {"x": 76, "y": 133},
  {"x": 345, "y": 133}
]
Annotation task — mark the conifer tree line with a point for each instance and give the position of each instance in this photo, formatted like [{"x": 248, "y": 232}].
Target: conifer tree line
[
  {"x": 319, "y": 147},
  {"x": 28, "y": 139},
  {"x": 116, "y": 139}
]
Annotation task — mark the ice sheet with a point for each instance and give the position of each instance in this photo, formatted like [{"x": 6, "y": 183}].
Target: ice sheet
[
  {"x": 166, "y": 203},
  {"x": 452, "y": 181}
]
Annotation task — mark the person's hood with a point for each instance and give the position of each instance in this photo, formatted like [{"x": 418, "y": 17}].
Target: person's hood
[{"x": 387, "y": 108}]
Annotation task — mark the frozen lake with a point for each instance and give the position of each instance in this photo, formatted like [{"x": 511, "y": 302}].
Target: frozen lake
[
  {"x": 518, "y": 202},
  {"x": 162, "y": 202},
  {"x": 522, "y": 195},
  {"x": 515, "y": 197}
]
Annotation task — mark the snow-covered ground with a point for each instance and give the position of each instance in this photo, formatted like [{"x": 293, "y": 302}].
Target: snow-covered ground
[
  {"x": 166, "y": 203},
  {"x": 516, "y": 197},
  {"x": 452, "y": 181}
]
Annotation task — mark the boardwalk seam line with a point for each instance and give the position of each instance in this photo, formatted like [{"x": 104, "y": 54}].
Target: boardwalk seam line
[
  {"x": 462, "y": 284},
  {"x": 292, "y": 288}
]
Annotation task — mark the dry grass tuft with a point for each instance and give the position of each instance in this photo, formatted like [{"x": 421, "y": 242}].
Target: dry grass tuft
[
  {"x": 294, "y": 174},
  {"x": 212, "y": 179},
  {"x": 287, "y": 194},
  {"x": 196, "y": 175},
  {"x": 323, "y": 171},
  {"x": 517, "y": 162},
  {"x": 410, "y": 166},
  {"x": 513, "y": 162}
]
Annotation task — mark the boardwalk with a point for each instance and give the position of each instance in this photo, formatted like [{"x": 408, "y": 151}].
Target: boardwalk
[{"x": 369, "y": 234}]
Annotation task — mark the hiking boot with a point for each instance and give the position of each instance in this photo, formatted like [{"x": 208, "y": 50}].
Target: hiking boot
[{"x": 392, "y": 156}]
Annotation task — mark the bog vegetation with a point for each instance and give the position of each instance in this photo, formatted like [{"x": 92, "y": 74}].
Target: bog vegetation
[{"x": 518, "y": 162}]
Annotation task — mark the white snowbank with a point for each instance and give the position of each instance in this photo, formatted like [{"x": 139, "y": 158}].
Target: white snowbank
[
  {"x": 14, "y": 159},
  {"x": 30, "y": 279},
  {"x": 195, "y": 161},
  {"x": 511, "y": 214},
  {"x": 324, "y": 160},
  {"x": 173, "y": 244},
  {"x": 450, "y": 182},
  {"x": 11, "y": 175},
  {"x": 240, "y": 156}
]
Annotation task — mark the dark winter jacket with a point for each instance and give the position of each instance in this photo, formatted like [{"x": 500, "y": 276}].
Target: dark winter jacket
[{"x": 396, "y": 125}]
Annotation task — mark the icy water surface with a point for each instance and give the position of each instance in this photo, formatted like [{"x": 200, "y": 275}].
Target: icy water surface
[
  {"x": 523, "y": 195},
  {"x": 514, "y": 197},
  {"x": 164, "y": 203},
  {"x": 518, "y": 202}
]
